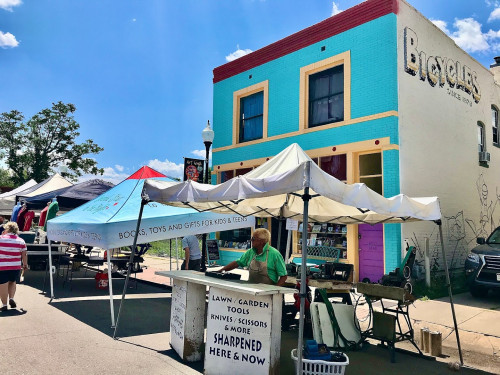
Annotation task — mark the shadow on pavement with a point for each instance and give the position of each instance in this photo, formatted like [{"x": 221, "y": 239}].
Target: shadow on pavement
[
  {"x": 197, "y": 366},
  {"x": 139, "y": 316},
  {"x": 373, "y": 359},
  {"x": 84, "y": 285},
  {"x": 490, "y": 302},
  {"x": 12, "y": 312}
]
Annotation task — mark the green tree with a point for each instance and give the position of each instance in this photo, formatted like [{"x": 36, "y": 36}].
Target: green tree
[
  {"x": 5, "y": 179},
  {"x": 32, "y": 148}
]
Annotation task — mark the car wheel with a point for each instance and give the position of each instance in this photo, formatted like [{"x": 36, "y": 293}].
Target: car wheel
[{"x": 478, "y": 291}]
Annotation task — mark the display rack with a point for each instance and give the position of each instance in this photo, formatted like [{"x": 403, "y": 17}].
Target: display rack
[{"x": 324, "y": 240}]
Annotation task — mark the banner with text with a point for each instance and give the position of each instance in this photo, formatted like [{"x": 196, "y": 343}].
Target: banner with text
[
  {"x": 193, "y": 169},
  {"x": 238, "y": 333}
]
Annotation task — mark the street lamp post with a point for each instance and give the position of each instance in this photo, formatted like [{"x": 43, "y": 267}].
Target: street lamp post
[{"x": 208, "y": 137}]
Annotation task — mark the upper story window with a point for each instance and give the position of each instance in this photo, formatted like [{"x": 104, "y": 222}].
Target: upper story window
[
  {"x": 326, "y": 96},
  {"x": 325, "y": 93},
  {"x": 480, "y": 137},
  {"x": 250, "y": 113},
  {"x": 494, "y": 124},
  {"x": 251, "y": 117}
]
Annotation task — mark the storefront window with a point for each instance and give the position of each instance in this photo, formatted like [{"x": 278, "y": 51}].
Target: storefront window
[
  {"x": 235, "y": 239},
  {"x": 238, "y": 238},
  {"x": 226, "y": 175},
  {"x": 370, "y": 171},
  {"x": 335, "y": 166},
  {"x": 242, "y": 171}
]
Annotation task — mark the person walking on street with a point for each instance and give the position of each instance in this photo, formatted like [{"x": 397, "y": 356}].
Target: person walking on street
[
  {"x": 265, "y": 263},
  {"x": 191, "y": 247},
  {"x": 13, "y": 258}
]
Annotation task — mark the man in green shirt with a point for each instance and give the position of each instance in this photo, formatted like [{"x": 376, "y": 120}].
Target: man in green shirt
[{"x": 265, "y": 263}]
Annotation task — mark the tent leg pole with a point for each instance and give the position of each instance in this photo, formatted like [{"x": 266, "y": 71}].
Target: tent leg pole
[
  {"x": 280, "y": 228},
  {"x": 170, "y": 257},
  {"x": 51, "y": 277},
  {"x": 288, "y": 243},
  {"x": 303, "y": 288},
  {"x": 110, "y": 286},
  {"x": 448, "y": 282},
  {"x": 130, "y": 262},
  {"x": 176, "y": 255}
]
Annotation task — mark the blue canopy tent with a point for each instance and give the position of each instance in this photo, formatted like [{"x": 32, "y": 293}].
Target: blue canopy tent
[
  {"x": 69, "y": 197},
  {"x": 110, "y": 220}
]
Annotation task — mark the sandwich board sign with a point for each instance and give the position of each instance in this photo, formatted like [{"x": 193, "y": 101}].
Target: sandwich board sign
[{"x": 212, "y": 251}]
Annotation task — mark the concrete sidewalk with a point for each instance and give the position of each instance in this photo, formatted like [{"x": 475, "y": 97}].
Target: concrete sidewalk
[
  {"x": 478, "y": 321},
  {"x": 72, "y": 335}
]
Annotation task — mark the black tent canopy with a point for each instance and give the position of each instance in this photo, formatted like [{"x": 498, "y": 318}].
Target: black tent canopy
[{"x": 69, "y": 197}]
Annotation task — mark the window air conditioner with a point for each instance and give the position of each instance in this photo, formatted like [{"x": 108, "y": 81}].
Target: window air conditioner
[{"x": 484, "y": 156}]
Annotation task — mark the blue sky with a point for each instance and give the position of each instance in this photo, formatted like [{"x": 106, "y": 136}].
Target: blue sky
[{"x": 140, "y": 71}]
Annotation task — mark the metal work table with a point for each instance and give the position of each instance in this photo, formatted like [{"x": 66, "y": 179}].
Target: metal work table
[
  {"x": 243, "y": 323},
  {"x": 386, "y": 325}
]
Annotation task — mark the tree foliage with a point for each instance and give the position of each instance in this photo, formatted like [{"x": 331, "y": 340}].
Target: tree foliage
[
  {"x": 5, "y": 179},
  {"x": 32, "y": 149}
]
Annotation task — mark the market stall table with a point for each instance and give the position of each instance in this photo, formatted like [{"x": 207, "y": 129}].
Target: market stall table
[
  {"x": 243, "y": 323},
  {"x": 41, "y": 257}
]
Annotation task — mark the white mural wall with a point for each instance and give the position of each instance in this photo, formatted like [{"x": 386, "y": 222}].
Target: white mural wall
[{"x": 443, "y": 94}]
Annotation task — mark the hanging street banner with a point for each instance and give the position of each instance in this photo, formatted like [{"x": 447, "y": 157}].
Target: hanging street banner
[{"x": 193, "y": 169}]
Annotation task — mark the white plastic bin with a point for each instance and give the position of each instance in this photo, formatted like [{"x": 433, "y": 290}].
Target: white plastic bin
[{"x": 318, "y": 367}]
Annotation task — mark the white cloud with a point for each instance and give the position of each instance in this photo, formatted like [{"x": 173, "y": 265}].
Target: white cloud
[
  {"x": 134, "y": 19},
  {"x": 119, "y": 168},
  {"x": 7, "y": 40},
  {"x": 469, "y": 35},
  {"x": 9, "y": 4},
  {"x": 167, "y": 167},
  {"x": 335, "y": 9},
  {"x": 493, "y": 3},
  {"x": 237, "y": 54},
  {"x": 495, "y": 15},
  {"x": 443, "y": 25},
  {"x": 201, "y": 154}
]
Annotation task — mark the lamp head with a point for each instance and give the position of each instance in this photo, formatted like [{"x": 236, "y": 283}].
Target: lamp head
[{"x": 207, "y": 134}]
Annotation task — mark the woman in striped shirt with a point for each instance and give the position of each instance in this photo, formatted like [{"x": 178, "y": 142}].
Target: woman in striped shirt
[{"x": 12, "y": 252}]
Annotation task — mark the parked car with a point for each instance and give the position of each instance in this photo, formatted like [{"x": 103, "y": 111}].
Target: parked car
[{"x": 482, "y": 266}]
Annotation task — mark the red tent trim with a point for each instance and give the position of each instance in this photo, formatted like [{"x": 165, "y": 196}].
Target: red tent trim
[{"x": 145, "y": 172}]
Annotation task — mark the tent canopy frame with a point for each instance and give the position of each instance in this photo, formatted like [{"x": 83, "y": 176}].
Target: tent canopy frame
[{"x": 200, "y": 194}]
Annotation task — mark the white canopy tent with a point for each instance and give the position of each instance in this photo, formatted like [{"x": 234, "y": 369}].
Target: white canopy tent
[
  {"x": 51, "y": 183},
  {"x": 8, "y": 199},
  {"x": 291, "y": 185}
]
